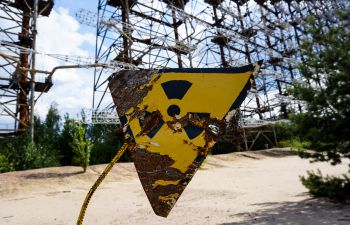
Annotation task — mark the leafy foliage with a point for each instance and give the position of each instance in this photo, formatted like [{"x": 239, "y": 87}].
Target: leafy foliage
[
  {"x": 64, "y": 140},
  {"x": 81, "y": 144},
  {"x": 5, "y": 165},
  {"x": 325, "y": 89},
  {"x": 295, "y": 144},
  {"x": 57, "y": 143},
  {"x": 20, "y": 154},
  {"x": 327, "y": 186},
  {"x": 326, "y": 93},
  {"x": 107, "y": 142},
  {"x": 285, "y": 130}
]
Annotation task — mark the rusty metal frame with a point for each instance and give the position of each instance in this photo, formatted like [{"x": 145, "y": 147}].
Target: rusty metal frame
[
  {"x": 17, "y": 32},
  {"x": 213, "y": 34},
  {"x": 221, "y": 33},
  {"x": 12, "y": 19}
]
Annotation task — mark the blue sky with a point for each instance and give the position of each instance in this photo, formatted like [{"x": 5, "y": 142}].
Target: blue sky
[
  {"x": 73, "y": 7},
  {"x": 76, "y": 5}
]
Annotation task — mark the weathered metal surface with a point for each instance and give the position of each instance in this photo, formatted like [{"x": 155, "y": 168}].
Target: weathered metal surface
[
  {"x": 174, "y": 117},
  {"x": 125, "y": 87}
]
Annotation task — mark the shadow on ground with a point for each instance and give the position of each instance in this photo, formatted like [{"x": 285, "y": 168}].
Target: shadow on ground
[
  {"x": 276, "y": 152},
  {"x": 309, "y": 211},
  {"x": 51, "y": 175}
]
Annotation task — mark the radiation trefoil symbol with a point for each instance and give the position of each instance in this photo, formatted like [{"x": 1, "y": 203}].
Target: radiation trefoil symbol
[
  {"x": 173, "y": 117},
  {"x": 175, "y": 91}
]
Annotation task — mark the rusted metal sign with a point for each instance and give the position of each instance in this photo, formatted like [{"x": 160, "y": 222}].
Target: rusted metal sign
[{"x": 173, "y": 118}]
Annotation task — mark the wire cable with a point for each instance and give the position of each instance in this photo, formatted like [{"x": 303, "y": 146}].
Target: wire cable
[{"x": 98, "y": 182}]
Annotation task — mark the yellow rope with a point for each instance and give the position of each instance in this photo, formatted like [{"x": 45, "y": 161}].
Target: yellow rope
[{"x": 98, "y": 182}]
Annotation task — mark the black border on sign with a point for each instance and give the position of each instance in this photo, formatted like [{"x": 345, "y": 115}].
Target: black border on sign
[
  {"x": 242, "y": 95},
  {"x": 242, "y": 69}
]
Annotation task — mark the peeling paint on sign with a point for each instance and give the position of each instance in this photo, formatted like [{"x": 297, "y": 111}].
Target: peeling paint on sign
[{"x": 174, "y": 117}]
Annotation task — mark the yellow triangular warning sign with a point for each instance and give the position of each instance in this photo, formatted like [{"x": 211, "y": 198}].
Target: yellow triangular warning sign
[{"x": 174, "y": 117}]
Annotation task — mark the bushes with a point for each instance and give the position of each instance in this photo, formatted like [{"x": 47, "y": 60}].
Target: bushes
[
  {"x": 288, "y": 136},
  {"x": 294, "y": 143},
  {"x": 73, "y": 146},
  {"x": 58, "y": 144},
  {"x": 336, "y": 188},
  {"x": 20, "y": 154},
  {"x": 285, "y": 130},
  {"x": 300, "y": 134},
  {"x": 5, "y": 165}
]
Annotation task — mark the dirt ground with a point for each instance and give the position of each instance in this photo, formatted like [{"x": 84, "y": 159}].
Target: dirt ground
[{"x": 238, "y": 188}]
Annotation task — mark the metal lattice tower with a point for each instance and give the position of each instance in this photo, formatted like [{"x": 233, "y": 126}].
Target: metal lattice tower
[
  {"x": 16, "y": 54},
  {"x": 153, "y": 34}
]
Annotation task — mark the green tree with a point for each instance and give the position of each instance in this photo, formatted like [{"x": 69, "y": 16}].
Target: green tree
[
  {"x": 19, "y": 153},
  {"x": 52, "y": 124},
  {"x": 80, "y": 144},
  {"x": 39, "y": 130},
  {"x": 107, "y": 141},
  {"x": 325, "y": 90},
  {"x": 64, "y": 141},
  {"x": 47, "y": 133}
]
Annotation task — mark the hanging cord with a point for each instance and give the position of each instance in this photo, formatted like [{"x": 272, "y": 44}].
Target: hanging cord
[{"x": 98, "y": 182}]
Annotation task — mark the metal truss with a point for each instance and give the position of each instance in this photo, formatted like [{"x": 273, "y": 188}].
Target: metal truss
[
  {"x": 16, "y": 55},
  {"x": 152, "y": 34},
  {"x": 100, "y": 116}
]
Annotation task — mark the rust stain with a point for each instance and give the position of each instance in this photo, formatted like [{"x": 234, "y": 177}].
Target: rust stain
[
  {"x": 148, "y": 121},
  {"x": 128, "y": 88},
  {"x": 152, "y": 167}
]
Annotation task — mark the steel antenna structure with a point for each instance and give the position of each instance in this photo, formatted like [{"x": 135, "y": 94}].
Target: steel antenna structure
[
  {"x": 17, "y": 59},
  {"x": 19, "y": 87},
  {"x": 153, "y": 34}
]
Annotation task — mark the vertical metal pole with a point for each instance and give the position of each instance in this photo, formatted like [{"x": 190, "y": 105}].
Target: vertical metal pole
[
  {"x": 23, "y": 91},
  {"x": 176, "y": 33},
  {"x": 221, "y": 47},
  {"x": 248, "y": 55},
  {"x": 274, "y": 134},
  {"x": 96, "y": 51},
  {"x": 126, "y": 43},
  {"x": 245, "y": 139},
  {"x": 32, "y": 84},
  {"x": 269, "y": 45},
  {"x": 189, "y": 44}
]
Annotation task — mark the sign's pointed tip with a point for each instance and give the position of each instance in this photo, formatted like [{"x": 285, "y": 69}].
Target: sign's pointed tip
[
  {"x": 162, "y": 208},
  {"x": 162, "y": 213}
]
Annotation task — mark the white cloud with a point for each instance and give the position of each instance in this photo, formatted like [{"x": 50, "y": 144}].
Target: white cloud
[{"x": 60, "y": 33}]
